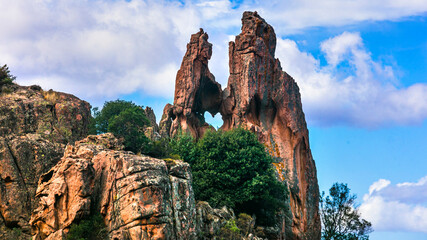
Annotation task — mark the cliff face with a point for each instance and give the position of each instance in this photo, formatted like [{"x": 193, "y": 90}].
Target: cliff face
[
  {"x": 139, "y": 197},
  {"x": 57, "y": 117},
  {"x": 196, "y": 90},
  {"x": 262, "y": 98},
  {"x": 34, "y": 126}
]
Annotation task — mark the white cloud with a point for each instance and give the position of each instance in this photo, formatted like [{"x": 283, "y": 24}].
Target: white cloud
[
  {"x": 96, "y": 47},
  {"x": 400, "y": 207},
  {"x": 106, "y": 48},
  {"x": 294, "y": 15},
  {"x": 352, "y": 88}
]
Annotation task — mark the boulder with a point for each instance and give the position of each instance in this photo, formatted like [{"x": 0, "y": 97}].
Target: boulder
[{"x": 139, "y": 197}]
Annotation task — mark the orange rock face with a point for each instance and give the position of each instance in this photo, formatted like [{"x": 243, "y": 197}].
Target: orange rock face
[
  {"x": 196, "y": 90},
  {"x": 261, "y": 97},
  {"x": 139, "y": 197},
  {"x": 34, "y": 126}
]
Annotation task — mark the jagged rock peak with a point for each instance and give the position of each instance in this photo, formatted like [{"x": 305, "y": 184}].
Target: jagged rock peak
[
  {"x": 196, "y": 90},
  {"x": 253, "y": 27}
]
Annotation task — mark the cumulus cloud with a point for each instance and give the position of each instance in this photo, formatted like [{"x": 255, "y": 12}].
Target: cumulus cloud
[
  {"x": 400, "y": 207},
  {"x": 104, "y": 48},
  {"x": 294, "y": 15},
  {"x": 352, "y": 88},
  {"x": 94, "y": 48}
]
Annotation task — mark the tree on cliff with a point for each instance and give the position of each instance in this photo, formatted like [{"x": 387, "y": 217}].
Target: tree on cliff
[
  {"x": 339, "y": 215},
  {"x": 233, "y": 169},
  {"x": 124, "y": 119},
  {"x": 5, "y": 77}
]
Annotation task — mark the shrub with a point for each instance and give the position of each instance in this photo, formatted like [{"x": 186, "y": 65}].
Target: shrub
[
  {"x": 232, "y": 168},
  {"x": 5, "y": 78},
  {"x": 125, "y": 120},
  {"x": 92, "y": 228}
]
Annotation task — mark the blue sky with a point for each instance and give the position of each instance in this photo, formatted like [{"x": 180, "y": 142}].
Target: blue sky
[{"x": 360, "y": 65}]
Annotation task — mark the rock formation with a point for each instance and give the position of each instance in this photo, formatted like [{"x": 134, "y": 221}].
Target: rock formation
[
  {"x": 152, "y": 131},
  {"x": 263, "y": 98},
  {"x": 259, "y": 97},
  {"x": 57, "y": 117},
  {"x": 34, "y": 126},
  {"x": 196, "y": 90},
  {"x": 139, "y": 197}
]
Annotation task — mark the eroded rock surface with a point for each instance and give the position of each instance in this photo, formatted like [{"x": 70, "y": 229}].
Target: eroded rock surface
[
  {"x": 22, "y": 160},
  {"x": 265, "y": 99},
  {"x": 196, "y": 90},
  {"x": 260, "y": 97},
  {"x": 139, "y": 197},
  {"x": 34, "y": 126},
  {"x": 152, "y": 131},
  {"x": 56, "y": 116}
]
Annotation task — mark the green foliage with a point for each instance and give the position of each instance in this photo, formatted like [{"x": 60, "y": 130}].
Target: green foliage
[
  {"x": 125, "y": 120},
  {"x": 5, "y": 77},
  {"x": 230, "y": 231},
  {"x": 339, "y": 215},
  {"x": 92, "y": 228},
  {"x": 233, "y": 169},
  {"x": 161, "y": 149}
]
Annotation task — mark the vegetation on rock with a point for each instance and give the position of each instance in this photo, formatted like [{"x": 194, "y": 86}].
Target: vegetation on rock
[
  {"x": 125, "y": 120},
  {"x": 92, "y": 228},
  {"x": 5, "y": 77},
  {"x": 233, "y": 169},
  {"x": 339, "y": 215}
]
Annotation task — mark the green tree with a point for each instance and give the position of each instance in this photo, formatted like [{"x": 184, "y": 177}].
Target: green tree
[
  {"x": 340, "y": 217},
  {"x": 232, "y": 168},
  {"x": 5, "y": 77},
  {"x": 125, "y": 120},
  {"x": 91, "y": 228}
]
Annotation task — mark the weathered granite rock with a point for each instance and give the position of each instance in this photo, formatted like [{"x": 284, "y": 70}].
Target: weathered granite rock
[
  {"x": 56, "y": 116},
  {"x": 211, "y": 220},
  {"x": 263, "y": 98},
  {"x": 152, "y": 131},
  {"x": 139, "y": 197},
  {"x": 22, "y": 160},
  {"x": 196, "y": 90},
  {"x": 34, "y": 126},
  {"x": 166, "y": 121}
]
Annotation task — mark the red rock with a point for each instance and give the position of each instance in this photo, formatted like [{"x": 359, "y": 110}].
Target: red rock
[
  {"x": 34, "y": 126},
  {"x": 196, "y": 90},
  {"x": 139, "y": 197},
  {"x": 263, "y": 98}
]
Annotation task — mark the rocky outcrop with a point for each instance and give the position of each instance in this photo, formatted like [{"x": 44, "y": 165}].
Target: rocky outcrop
[
  {"x": 263, "y": 98},
  {"x": 34, "y": 126},
  {"x": 57, "y": 117},
  {"x": 139, "y": 197},
  {"x": 211, "y": 220},
  {"x": 152, "y": 131},
  {"x": 22, "y": 160},
  {"x": 196, "y": 90}
]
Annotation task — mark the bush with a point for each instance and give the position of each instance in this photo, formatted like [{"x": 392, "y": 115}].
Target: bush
[
  {"x": 5, "y": 77},
  {"x": 233, "y": 169},
  {"x": 92, "y": 228},
  {"x": 125, "y": 120}
]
